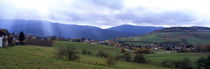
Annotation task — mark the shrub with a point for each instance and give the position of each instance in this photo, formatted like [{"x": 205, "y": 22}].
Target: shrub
[
  {"x": 167, "y": 63},
  {"x": 139, "y": 58},
  {"x": 143, "y": 51},
  {"x": 110, "y": 60},
  {"x": 203, "y": 63},
  {"x": 123, "y": 50},
  {"x": 204, "y": 48},
  {"x": 86, "y": 52},
  {"x": 183, "y": 64},
  {"x": 102, "y": 54},
  {"x": 126, "y": 56},
  {"x": 67, "y": 52}
]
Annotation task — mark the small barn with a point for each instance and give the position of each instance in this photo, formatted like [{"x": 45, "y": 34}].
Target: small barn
[{"x": 4, "y": 35}]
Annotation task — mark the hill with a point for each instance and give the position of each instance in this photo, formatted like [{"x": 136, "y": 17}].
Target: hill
[
  {"x": 135, "y": 30},
  {"x": 44, "y": 28},
  {"x": 191, "y": 35},
  {"x": 36, "y": 57}
]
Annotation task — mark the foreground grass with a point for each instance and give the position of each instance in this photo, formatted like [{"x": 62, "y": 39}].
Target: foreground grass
[
  {"x": 158, "y": 58},
  {"x": 35, "y": 57}
]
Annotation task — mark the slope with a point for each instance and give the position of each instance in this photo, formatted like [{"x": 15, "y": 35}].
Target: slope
[
  {"x": 35, "y": 57},
  {"x": 192, "y": 35}
]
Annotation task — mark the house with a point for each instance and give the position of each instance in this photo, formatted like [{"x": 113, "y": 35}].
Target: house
[{"x": 4, "y": 35}]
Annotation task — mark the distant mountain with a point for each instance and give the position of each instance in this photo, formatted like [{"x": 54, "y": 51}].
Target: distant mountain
[
  {"x": 44, "y": 28},
  {"x": 191, "y": 35},
  {"x": 135, "y": 30}
]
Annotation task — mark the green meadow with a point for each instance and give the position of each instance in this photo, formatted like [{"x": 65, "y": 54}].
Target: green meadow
[{"x": 37, "y": 57}]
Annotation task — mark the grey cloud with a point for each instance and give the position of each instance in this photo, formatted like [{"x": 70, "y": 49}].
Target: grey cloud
[
  {"x": 112, "y": 13},
  {"x": 91, "y": 12},
  {"x": 160, "y": 18}
]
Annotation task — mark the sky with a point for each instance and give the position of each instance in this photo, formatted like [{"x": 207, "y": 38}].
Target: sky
[{"x": 109, "y": 13}]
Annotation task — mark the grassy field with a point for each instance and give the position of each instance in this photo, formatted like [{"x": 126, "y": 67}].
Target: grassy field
[
  {"x": 36, "y": 57},
  {"x": 158, "y": 58},
  {"x": 194, "y": 38}
]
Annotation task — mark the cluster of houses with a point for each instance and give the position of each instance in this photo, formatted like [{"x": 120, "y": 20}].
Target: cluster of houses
[
  {"x": 7, "y": 39},
  {"x": 88, "y": 41},
  {"x": 4, "y": 37},
  {"x": 181, "y": 46},
  {"x": 174, "y": 46}
]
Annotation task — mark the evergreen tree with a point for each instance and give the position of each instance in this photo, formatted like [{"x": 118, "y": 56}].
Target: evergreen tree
[{"x": 21, "y": 38}]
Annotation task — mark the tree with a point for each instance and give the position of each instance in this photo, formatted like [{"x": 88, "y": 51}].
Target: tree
[
  {"x": 86, "y": 52},
  {"x": 185, "y": 64},
  {"x": 143, "y": 50},
  {"x": 182, "y": 64},
  {"x": 110, "y": 60},
  {"x": 102, "y": 54},
  {"x": 21, "y": 38},
  {"x": 127, "y": 56},
  {"x": 67, "y": 52},
  {"x": 139, "y": 58},
  {"x": 203, "y": 63}
]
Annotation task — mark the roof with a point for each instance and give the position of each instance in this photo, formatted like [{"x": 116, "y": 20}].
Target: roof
[{"x": 4, "y": 32}]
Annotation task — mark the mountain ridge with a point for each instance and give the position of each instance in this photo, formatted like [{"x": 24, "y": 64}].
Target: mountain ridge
[{"x": 45, "y": 28}]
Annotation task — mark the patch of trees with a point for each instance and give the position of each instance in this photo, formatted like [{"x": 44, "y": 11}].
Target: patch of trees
[
  {"x": 86, "y": 52},
  {"x": 72, "y": 53},
  {"x": 204, "y": 48},
  {"x": 67, "y": 52},
  {"x": 110, "y": 60},
  {"x": 203, "y": 63},
  {"x": 143, "y": 50},
  {"x": 137, "y": 56},
  {"x": 182, "y": 64}
]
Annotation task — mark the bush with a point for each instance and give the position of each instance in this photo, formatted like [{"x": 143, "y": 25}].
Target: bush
[
  {"x": 203, "y": 48},
  {"x": 86, "y": 52},
  {"x": 102, "y": 54},
  {"x": 67, "y": 52},
  {"x": 183, "y": 64},
  {"x": 143, "y": 51},
  {"x": 139, "y": 58},
  {"x": 110, "y": 60},
  {"x": 126, "y": 56},
  {"x": 203, "y": 63},
  {"x": 167, "y": 63}
]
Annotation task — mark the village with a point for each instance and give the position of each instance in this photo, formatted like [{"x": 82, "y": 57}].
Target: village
[{"x": 8, "y": 40}]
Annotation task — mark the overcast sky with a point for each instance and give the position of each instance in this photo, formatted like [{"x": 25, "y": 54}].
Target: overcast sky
[{"x": 108, "y": 13}]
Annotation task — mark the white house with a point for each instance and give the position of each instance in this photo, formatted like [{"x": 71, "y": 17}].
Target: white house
[{"x": 4, "y": 35}]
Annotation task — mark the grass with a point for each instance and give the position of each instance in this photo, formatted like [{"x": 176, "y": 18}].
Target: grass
[
  {"x": 36, "y": 57},
  {"x": 158, "y": 58},
  {"x": 195, "y": 38},
  {"x": 89, "y": 47}
]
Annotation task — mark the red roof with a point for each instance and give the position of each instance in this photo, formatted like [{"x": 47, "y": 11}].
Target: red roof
[{"x": 3, "y": 32}]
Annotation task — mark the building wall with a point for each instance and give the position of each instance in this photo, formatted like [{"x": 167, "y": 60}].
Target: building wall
[{"x": 1, "y": 42}]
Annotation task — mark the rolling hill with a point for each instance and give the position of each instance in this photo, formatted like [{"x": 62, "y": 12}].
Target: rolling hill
[{"x": 192, "y": 35}]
